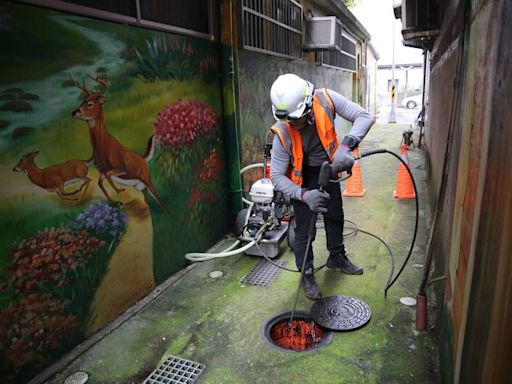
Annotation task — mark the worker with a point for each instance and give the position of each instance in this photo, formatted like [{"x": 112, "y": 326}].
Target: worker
[{"x": 304, "y": 139}]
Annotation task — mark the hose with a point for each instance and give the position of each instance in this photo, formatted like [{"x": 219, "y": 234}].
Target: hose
[
  {"x": 196, "y": 256},
  {"x": 391, "y": 280},
  {"x": 245, "y": 169},
  {"x": 225, "y": 253},
  {"x": 353, "y": 232},
  {"x": 379, "y": 151},
  {"x": 257, "y": 238},
  {"x": 251, "y": 166}
]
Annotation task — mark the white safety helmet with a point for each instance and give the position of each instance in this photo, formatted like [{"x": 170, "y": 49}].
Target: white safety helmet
[{"x": 291, "y": 96}]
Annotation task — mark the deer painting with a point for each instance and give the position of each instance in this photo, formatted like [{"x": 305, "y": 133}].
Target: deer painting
[
  {"x": 115, "y": 162},
  {"x": 55, "y": 178}
]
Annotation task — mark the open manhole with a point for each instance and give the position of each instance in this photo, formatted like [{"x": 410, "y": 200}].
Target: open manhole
[{"x": 303, "y": 335}]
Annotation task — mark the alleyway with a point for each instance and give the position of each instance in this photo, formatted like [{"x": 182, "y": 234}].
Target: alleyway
[{"x": 217, "y": 321}]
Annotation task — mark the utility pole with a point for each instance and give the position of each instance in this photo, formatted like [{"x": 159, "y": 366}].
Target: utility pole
[{"x": 392, "y": 112}]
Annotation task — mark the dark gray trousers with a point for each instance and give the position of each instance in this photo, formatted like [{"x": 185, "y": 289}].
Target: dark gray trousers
[{"x": 333, "y": 220}]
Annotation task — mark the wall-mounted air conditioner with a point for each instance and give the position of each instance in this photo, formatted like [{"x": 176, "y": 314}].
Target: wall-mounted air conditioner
[
  {"x": 323, "y": 34},
  {"x": 421, "y": 20}
]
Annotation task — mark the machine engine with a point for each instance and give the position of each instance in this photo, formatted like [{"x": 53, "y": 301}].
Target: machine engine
[{"x": 268, "y": 208}]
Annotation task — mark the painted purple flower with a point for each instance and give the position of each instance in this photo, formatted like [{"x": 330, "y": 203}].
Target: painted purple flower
[{"x": 101, "y": 219}]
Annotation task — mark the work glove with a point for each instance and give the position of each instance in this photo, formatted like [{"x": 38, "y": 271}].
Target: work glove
[
  {"x": 316, "y": 200},
  {"x": 342, "y": 160}
]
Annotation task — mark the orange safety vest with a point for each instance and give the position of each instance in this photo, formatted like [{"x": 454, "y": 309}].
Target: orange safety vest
[{"x": 291, "y": 139}]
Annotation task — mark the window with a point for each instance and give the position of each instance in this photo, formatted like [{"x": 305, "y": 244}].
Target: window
[
  {"x": 123, "y": 7},
  {"x": 189, "y": 14},
  {"x": 192, "y": 17},
  {"x": 272, "y": 26},
  {"x": 344, "y": 58}
]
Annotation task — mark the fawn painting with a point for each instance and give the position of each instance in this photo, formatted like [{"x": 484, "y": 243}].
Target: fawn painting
[{"x": 55, "y": 177}]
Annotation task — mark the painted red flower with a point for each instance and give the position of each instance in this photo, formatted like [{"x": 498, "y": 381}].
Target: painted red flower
[
  {"x": 46, "y": 257},
  {"x": 179, "y": 124},
  {"x": 33, "y": 325},
  {"x": 212, "y": 165}
]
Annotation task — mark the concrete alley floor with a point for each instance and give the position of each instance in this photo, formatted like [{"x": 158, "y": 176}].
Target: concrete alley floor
[{"x": 217, "y": 321}]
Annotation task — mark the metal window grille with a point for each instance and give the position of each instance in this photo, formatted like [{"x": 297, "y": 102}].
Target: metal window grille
[
  {"x": 344, "y": 58},
  {"x": 194, "y": 17},
  {"x": 272, "y": 26}
]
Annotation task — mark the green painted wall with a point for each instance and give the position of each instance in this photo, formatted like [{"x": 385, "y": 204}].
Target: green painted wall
[{"x": 71, "y": 263}]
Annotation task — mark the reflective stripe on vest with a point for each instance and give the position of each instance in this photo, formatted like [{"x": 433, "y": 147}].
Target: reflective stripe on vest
[{"x": 323, "y": 110}]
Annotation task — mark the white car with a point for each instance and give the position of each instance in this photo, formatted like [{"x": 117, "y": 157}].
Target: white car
[{"x": 411, "y": 102}]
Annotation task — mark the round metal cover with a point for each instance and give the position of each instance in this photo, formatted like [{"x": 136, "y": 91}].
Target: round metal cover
[
  {"x": 409, "y": 301},
  {"x": 215, "y": 274},
  {"x": 77, "y": 378},
  {"x": 341, "y": 313}
]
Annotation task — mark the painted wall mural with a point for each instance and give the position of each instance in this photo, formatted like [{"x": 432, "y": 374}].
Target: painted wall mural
[
  {"x": 257, "y": 73},
  {"x": 112, "y": 167}
]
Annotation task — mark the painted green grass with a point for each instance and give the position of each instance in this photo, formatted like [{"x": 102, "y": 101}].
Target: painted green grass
[
  {"x": 129, "y": 116},
  {"x": 47, "y": 46}
]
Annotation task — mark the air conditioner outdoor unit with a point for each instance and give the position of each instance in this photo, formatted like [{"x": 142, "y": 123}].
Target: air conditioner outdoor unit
[
  {"x": 323, "y": 34},
  {"x": 421, "y": 20}
]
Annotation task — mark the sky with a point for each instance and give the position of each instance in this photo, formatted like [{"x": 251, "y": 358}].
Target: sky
[{"x": 378, "y": 19}]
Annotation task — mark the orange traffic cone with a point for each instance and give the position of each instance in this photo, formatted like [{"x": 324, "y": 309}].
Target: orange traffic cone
[
  {"x": 354, "y": 187},
  {"x": 404, "y": 188}
]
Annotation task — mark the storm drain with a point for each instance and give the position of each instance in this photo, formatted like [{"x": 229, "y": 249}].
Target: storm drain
[
  {"x": 263, "y": 273},
  {"x": 175, "y": 370}
]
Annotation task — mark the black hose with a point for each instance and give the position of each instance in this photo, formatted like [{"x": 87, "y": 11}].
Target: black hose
[
  {"x": 391, "y": 280},
  {"x": 377, "y": 151}
]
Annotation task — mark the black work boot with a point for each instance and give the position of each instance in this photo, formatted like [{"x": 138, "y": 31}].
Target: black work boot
[
  {"x": 309, "y": 284},
  {"x": 340, "y": 262}
]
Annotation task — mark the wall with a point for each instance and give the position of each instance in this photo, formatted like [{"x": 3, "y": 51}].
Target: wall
[
  {"x": 257, "y": 72},
  {"x": 72, "y": 256},
  {"x": 466, "y": 131},
  {"x": 371, "y": 76}
]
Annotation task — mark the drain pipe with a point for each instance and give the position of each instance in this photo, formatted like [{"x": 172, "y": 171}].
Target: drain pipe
[
  {"x": 229, "y": 104},
  {"x": 421, "y": 121}
]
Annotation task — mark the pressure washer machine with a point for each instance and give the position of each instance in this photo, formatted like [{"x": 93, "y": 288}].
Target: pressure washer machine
[{"x": 267, "y": 216}]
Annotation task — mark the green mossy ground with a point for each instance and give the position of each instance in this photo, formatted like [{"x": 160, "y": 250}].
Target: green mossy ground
[{"x": 217, "y": 321}]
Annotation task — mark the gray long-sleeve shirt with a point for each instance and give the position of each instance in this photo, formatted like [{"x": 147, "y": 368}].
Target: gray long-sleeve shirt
[{"x": 314, "y": 153}]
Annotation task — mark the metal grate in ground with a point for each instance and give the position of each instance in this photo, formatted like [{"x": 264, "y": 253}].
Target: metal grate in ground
[
  {"x": 262, "y": 274},
  {"x": 175, "y": 370}
]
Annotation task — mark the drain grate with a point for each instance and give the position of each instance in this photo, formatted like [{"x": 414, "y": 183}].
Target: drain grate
[
  {"x": 262, "y": 274},
  {"x": 175, "y": 370}
]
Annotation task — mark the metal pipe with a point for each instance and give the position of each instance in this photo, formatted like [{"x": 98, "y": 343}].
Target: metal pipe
[
  {"x": 422, "y": 113},
  {"x": 230, "y": 108}
]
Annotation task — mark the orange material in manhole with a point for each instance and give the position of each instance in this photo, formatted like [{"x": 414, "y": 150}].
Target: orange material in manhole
[
  {"x": 299, "y": 336},
  {"x": 302, "y": 335}
]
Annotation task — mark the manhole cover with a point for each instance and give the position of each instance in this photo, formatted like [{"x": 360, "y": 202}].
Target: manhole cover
[
  {"x": 303, "y": 335},
  {"x": 77, "y": 378},
  {"x": 341, "y": 313},
  {"x": 175, "y": 370},
  {"x": 262, "y": 274}
]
